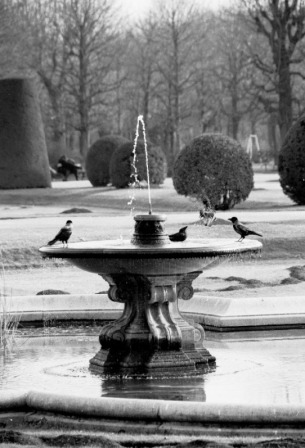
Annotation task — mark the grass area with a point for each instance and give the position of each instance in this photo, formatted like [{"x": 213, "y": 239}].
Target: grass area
[
  {"x": 164, "y": 198},
  {"x": 20, "y": 238}
]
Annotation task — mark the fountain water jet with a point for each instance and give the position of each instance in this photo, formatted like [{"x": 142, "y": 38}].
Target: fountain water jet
[{"x": 135, "y": 175}]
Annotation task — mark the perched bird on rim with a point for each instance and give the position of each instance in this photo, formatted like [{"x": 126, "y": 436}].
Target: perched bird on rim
[
  {"x": 179, "y": 236},
  {"x": 241, "y": 229},
  {"x": 63, "y": 235}
]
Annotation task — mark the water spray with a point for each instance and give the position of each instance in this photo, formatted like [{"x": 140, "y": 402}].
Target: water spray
[{"x": 136, "y": 179}]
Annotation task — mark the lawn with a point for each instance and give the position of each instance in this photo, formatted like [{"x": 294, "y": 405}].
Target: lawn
[
  {"x": 40, "y": 213},
  {"x": 267, "y": 194}
]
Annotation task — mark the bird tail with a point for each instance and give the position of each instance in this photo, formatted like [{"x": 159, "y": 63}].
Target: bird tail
[
  {"x": 254, "y": 233},
  {"x": 50, "y": 243}
]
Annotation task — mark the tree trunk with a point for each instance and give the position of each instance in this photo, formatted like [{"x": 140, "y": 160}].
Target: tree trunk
[
  {"x": 177, "y": 94},
  {"x": 177, "y": 126},
  {"x": 57, "y": 144},
  {"x": 285, "y": 97},
  {"x": 83, "y": 142},
  {"x": 234, "y": 111},
  {"x": 235, "y": 126},
  {"x": 272, "y": 139},
  {"x": 170, "y": 132},
  {"x": 83, "y": 99},
  {"x": 146, "y": 106}
]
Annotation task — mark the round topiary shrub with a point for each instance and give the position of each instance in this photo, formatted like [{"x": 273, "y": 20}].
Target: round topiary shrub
[
  {"x": 215, "y": 170},
  {"x": 291, "y": 166},
  {"x": 98, "y": 159},
  {"x": 122, "y": 170}
]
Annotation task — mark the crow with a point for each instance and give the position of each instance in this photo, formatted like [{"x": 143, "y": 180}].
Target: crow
[
  {"x": 63, "y": 235},
  {"x": 242, "y": 230},
  {"x": 179, "y": 236}
]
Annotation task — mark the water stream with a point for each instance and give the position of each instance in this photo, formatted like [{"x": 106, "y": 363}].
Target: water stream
[{"x": 134, "y": 164}]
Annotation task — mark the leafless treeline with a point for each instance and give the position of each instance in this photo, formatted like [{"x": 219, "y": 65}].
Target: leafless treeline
[{"x": 239, "y": 71}]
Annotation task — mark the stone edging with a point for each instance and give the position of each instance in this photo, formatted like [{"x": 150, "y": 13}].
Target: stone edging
[
  {"x": 214, "y": 313},
  {"x": 152, "y": 410}
]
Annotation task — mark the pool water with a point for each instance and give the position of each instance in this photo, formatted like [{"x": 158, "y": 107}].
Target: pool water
[{"x": 252, "y": 368}]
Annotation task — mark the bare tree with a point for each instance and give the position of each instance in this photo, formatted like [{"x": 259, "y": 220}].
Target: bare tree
[
  {"x": 47, "y": 25},
  {"x": 141, "y": 81},
  {"x": 145, "y": 62},
  {"x": 180, "y": 32},
  {"x": 205, "y": 99},
  {"x": 14, "y": 37},
  {"x": 91, "y": 63},
  {"x": 233, "y": 69},
  {"x": 282, "y": 25}
]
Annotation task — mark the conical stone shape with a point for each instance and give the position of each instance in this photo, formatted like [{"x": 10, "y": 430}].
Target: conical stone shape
[{"x": 23, "y": 153}]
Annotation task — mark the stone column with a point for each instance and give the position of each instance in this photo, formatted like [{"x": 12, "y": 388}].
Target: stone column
[
  {"x": 23, "y": 153},
  {"x": 151, "y": 338}
]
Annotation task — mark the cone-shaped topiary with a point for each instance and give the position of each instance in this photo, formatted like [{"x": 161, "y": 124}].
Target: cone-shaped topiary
[
  {"x": 98, "y": 159},
  {"x": 291, "y": 164},
  {"x": 214, "y": 169},
  {"x": 122, "y": 170},
  {"x": 24, "y": 160}
]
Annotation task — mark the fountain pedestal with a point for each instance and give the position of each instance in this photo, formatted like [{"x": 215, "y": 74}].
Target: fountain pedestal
[
  {"x": 151, "y": 336},
  {"x": 150, "y": 275}
]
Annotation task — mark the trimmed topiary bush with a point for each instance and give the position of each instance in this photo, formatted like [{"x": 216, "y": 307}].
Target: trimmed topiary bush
[
  {"x": 24, "y": 159},
  {"x": 121, "y": 166},
  {"x": 291, "y": 164},
  {"x": 98, "y": 159},
  {"x": 214, "y": 169}
]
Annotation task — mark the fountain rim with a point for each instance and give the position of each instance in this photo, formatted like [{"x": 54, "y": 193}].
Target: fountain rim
[
  {"x": 150, "y": 217},
  {"x": 172, "y": 250},
  {"x": 152, "y": 409}
]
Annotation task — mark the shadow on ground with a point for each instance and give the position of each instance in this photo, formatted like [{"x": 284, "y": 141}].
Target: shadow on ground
[{"x": 297, "y": 275}]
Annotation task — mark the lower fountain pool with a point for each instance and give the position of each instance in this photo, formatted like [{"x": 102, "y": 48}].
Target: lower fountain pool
[{"x": 252, "y": 368}]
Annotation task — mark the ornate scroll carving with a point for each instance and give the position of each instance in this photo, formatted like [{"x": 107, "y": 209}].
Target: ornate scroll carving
[{"x": 185, "y": 290}]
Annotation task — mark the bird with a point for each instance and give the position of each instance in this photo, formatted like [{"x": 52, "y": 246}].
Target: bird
[
  {"x": 63, "y": 235},
  {"x": 179, "y": 236},
  {"x": 207, "y": 216},
  {"x": 241, "y": 229}
]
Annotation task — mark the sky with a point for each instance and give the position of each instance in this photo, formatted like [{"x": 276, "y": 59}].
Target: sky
[{"x": 137, "y": 9}]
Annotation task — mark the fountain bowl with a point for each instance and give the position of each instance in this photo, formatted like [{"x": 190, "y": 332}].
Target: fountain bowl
[
  {"x": 149, "y": 274},
  {"x": 122, "y": 256}
]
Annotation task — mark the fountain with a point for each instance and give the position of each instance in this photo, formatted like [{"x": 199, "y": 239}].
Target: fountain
[{"x": 150, "y": 274}]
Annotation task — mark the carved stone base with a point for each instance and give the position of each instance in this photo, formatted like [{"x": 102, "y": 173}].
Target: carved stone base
[
  {"x": 138, "y": 363},
  {"x": 151, "y": 338}
]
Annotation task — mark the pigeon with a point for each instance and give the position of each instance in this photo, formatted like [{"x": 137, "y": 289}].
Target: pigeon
[
  {"x": 179, "y": 236},
  {"x": 241, "y": 229},
  {"x": 63, "y": 235}
]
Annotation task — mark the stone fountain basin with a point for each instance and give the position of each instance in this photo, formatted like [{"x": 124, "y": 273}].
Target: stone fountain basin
[{"x": 121, "y": 256}]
